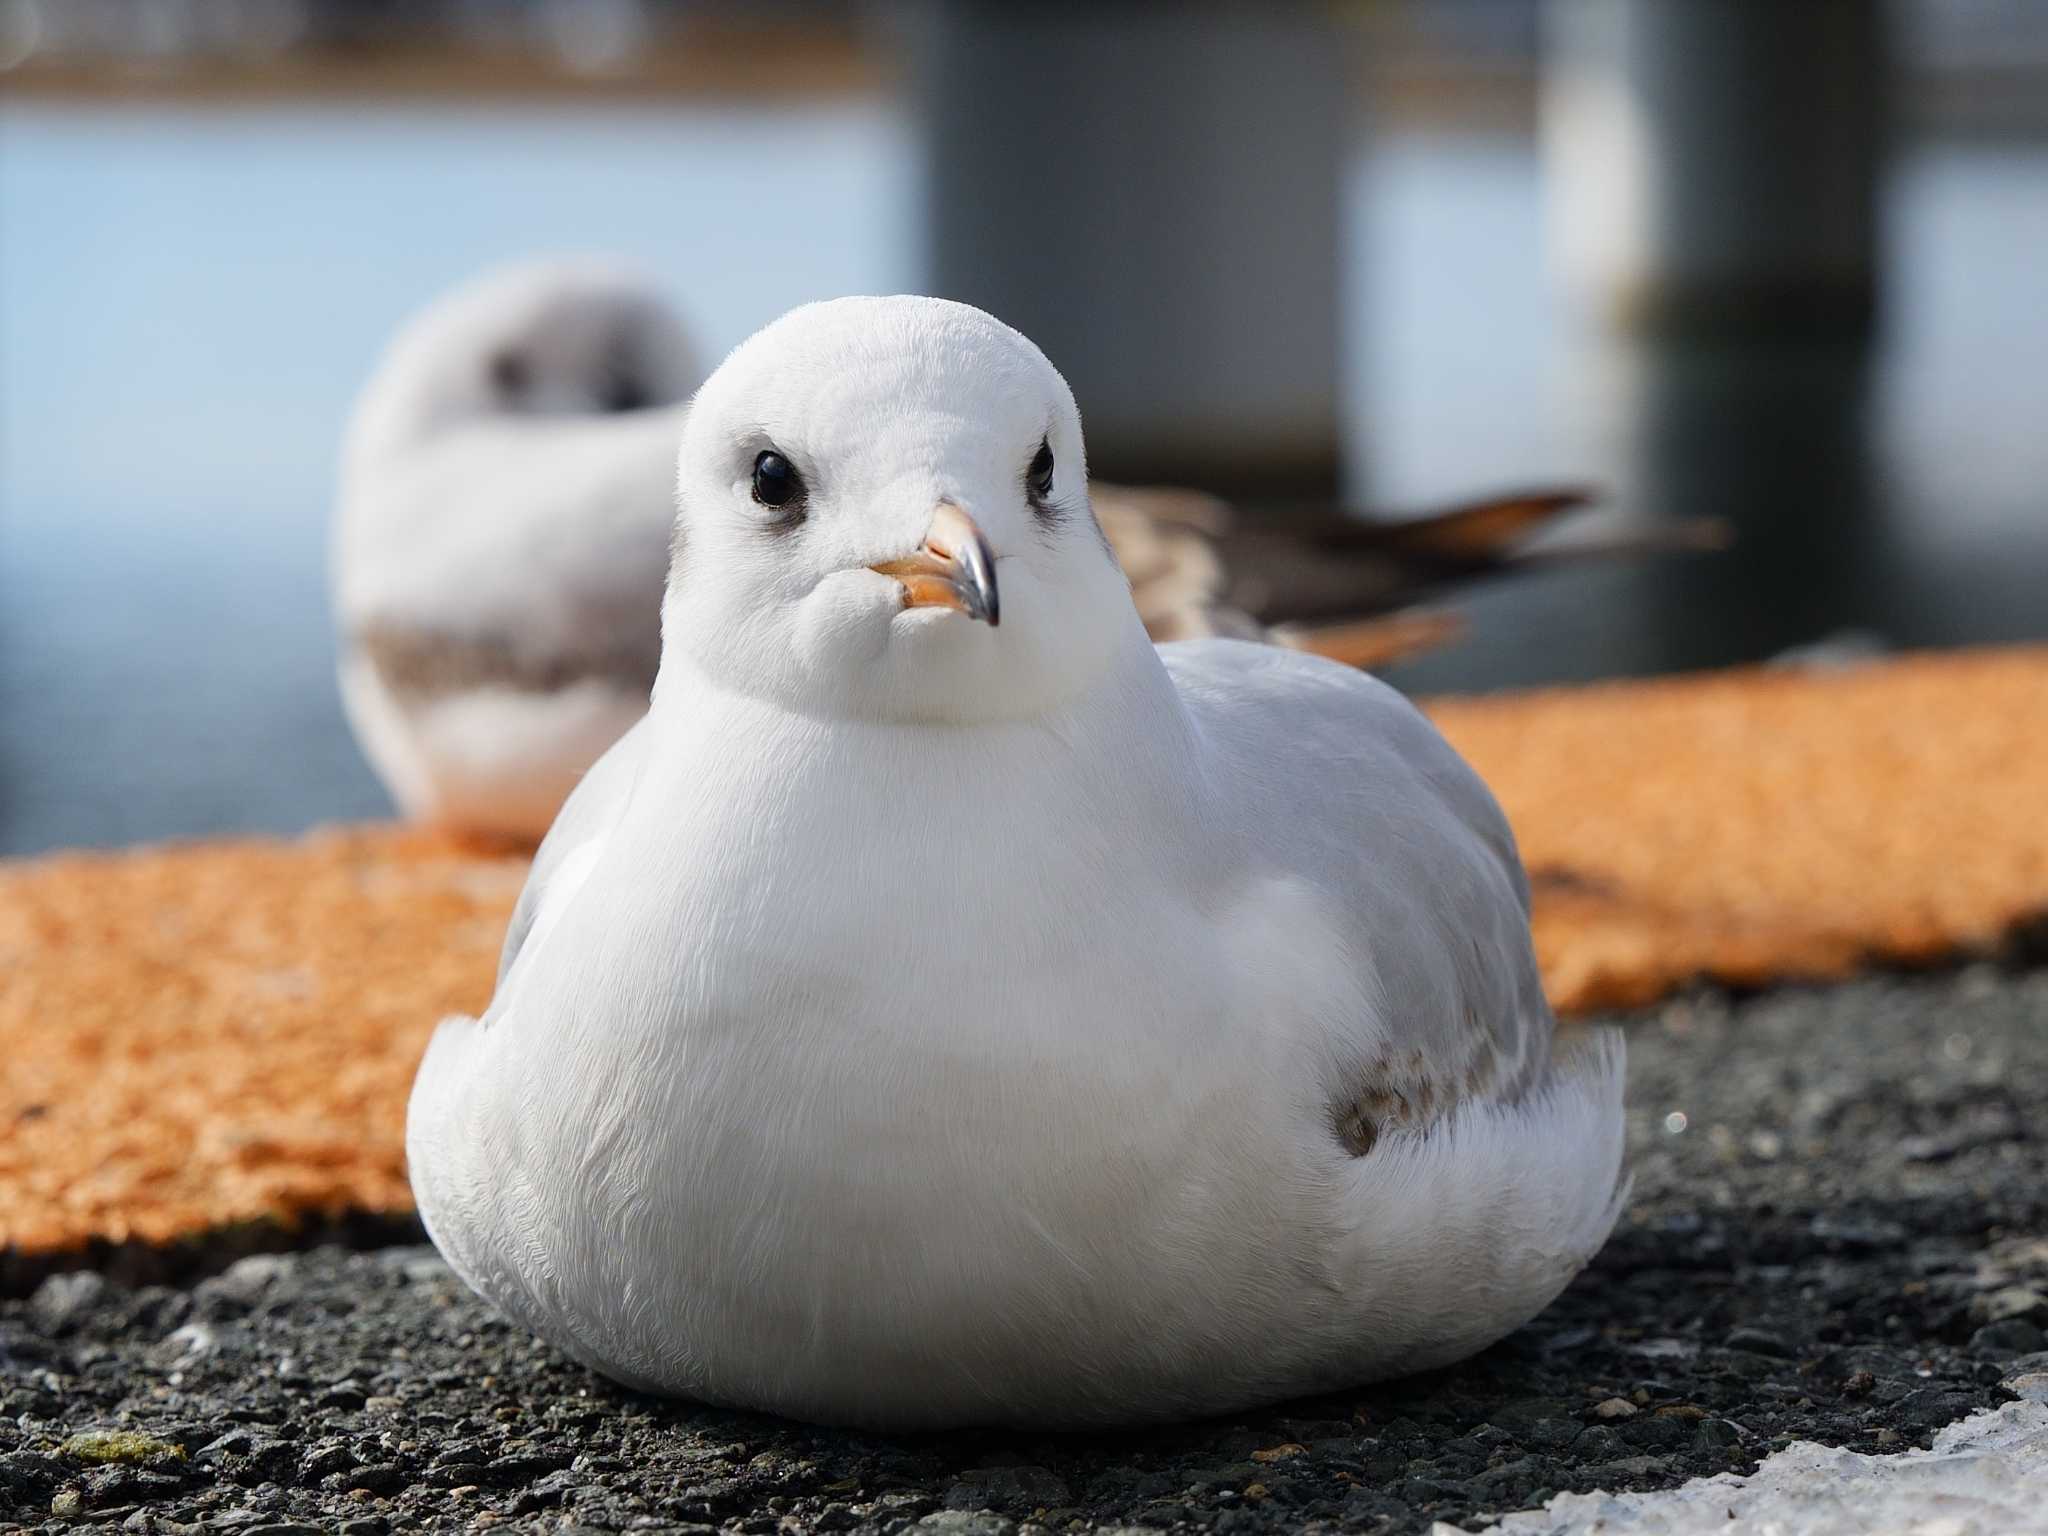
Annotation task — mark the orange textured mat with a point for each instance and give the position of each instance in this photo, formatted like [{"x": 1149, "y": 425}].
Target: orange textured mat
[
  {"x": 1757, "y": 825},
  {"x": 200, "y": 1037}
]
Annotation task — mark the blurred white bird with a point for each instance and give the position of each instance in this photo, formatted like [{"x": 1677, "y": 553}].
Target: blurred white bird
[
  {"x": 948, "y": 1007},
  {"x": 507, "y": 495},
  {"x": 505, "y": 515}
]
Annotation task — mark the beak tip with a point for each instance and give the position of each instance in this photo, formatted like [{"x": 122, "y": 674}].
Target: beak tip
[{"x": 955, "y": 569}]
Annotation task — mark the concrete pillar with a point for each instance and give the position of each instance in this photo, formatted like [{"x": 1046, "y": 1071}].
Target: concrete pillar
[
  {"x": 1713, "y": 164},
  {"x": 1152, "y": 193}
]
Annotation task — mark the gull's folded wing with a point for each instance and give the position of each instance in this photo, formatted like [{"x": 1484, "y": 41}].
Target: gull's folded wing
[{"x": 572, "y": 846}]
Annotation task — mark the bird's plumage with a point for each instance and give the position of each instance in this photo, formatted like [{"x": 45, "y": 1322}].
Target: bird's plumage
[{"x": 914, "y": 1022}]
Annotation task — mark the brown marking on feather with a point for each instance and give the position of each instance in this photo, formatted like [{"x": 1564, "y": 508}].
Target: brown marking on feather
[
  {"x": 1161, "y": 540},
  {"x": 1474, "y": 531},
  {"x": 1356, "y": 1129},
  {"x": 1358, "y": 1121},
  {"x": 431, "y": 663},
  {"x": 1411, "y": 1096},
  {"x": 1371, "y": 643}
]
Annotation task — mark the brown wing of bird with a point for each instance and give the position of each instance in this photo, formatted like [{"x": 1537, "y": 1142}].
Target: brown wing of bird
[
  {"x": 1320, "y": 565},
  {"x": 1472, "y": 534},
  {"x": 1196, "y": 570},
  {"x": 1324, "y": 579},
  {"x": 1165, "y": 541}
]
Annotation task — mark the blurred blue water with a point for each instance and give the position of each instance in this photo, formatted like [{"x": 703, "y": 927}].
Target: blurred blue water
[{"x": 188, "y": 300}]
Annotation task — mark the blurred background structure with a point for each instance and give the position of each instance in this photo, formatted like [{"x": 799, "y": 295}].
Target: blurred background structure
[{"x": 1785, "y": 265}]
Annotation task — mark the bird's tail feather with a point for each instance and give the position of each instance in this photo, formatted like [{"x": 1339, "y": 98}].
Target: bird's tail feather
[
  {"x": 1478, "y": 532},
  {"x": 1500, "y": 531},
  {"x": 1373, "y": 643},
  {"x": 1469, "y": 1228}
]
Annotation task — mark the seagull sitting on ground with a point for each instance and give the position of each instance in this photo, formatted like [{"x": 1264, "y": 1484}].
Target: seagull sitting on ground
[
  {"x": 947, "y": 1007},
  {"x": 505, "y": 516}
]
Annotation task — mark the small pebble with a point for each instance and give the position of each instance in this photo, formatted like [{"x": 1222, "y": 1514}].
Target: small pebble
[
  {"x": 2014, "y": 1336},
  {"x": 1280, "y": 1452},
  {"x": 122, "y": 1446},
  {"x": 1759, "y": 1341}
]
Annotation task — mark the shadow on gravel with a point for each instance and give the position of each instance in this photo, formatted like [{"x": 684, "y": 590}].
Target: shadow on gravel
[
  {"x": 186, "y": 1262},
  {"x": 1837, "y": 1235}
]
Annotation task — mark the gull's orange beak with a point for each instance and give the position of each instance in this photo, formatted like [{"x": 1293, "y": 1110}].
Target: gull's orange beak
[{"x": 953, "y": 568}]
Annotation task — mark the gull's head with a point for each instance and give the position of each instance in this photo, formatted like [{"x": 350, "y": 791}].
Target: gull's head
[
  {"x": 884, "y": 515},
  {"x": 565, "y": 337}
]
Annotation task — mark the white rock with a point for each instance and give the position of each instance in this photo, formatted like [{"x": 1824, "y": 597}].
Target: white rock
[{"x": 1985, "y": 1476}]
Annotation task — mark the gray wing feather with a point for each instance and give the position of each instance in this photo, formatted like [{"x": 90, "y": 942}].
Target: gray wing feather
[
  {"x": 1411, "y": 853},
  {"x": 591, "y": 811}
]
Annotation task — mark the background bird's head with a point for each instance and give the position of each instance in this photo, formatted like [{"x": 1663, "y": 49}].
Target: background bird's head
[
  {"x": 884, "y": 514},
  {"x": 553, "y": 338}
]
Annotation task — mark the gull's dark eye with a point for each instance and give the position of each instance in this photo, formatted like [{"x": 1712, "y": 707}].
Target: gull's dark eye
[
  {"x": 1039, "y": 476},
  {"x": 619, "y": 393},
  {"x": 510, "y": 374},
  {"x": 776, "y": 483}
]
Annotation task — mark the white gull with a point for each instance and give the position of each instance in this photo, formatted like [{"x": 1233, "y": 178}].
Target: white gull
[{"x": 920, "y": 1019}]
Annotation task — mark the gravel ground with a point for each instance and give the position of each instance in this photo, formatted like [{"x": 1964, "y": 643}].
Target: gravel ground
[{"x": 1839, "y": 1234}]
